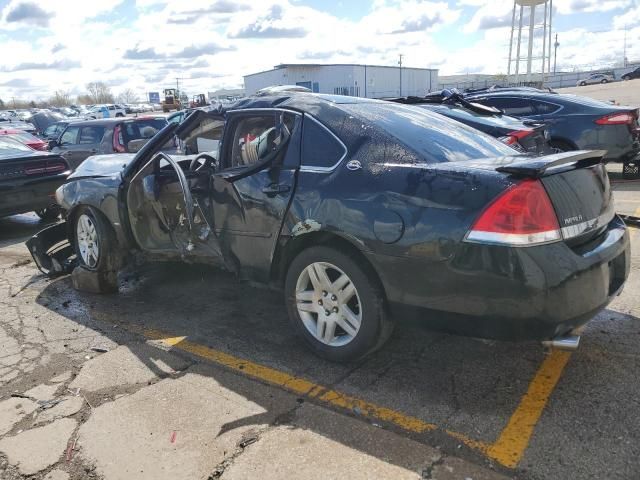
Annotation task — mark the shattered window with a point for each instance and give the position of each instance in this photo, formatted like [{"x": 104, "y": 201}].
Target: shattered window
[{"x": 256, "y": 137}]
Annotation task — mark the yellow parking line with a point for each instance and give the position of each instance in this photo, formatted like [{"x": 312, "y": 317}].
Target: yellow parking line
[
  {"x": 507, "y": 450},
  {"x": 514, "y": 439},
  {"x": 301, "y": 386}
]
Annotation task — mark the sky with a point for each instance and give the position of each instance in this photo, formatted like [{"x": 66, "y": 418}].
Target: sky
[{"x": 144, "y": 45}]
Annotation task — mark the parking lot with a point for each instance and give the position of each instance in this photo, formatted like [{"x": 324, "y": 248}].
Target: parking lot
[{"x": 189, "y": 373}]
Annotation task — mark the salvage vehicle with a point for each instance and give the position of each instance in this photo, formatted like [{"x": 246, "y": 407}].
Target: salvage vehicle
[
  {"x": 363, "y": 212},
  {"x": 523, "y": 135},
  {"x": 81, "y": 139},
  {"x": 574, "y": 122},
  {"x": 25, "y": 138},
  {"x": 29, "y": 179}
]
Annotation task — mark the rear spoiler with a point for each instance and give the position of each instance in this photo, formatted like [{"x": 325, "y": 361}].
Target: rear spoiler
[{"x": 537, "y": 167}]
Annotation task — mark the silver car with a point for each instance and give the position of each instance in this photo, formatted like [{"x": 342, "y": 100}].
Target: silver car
[{"x": 596, "y": 78}]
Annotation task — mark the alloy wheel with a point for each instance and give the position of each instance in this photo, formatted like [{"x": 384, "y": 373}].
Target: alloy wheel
[
  {"x": 328, "y": 304},
  {"x": 87, "y": 238}
]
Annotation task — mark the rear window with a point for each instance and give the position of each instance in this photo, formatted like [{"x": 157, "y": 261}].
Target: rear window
[
  {"x": 142, "y": 129},
  {"x": 434, "y": 137},
  {"x": 9, "y": 148},
  {"x": 463, "y": 114},
  {"x": 25, "y": 137}
]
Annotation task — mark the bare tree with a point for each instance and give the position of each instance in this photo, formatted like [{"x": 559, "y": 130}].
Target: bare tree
[
  {"x": 128, "y": 96},
  {"x": 100, "y": 92},
  {"x": 60, "y": 99}
]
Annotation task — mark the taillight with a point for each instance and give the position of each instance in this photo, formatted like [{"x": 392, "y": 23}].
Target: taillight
[
  {"x": 44, "y": 168},
  {"x": 521, "y": 216},
  {"x": 513, "y": 138},
  {"x": 624, "y": 118},
  {"x": 118, "y": 141}
]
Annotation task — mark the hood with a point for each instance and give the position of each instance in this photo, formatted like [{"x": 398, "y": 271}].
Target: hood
[{"x": 103, "y": 165}]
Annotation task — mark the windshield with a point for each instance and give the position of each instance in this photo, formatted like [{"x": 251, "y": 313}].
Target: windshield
[{"x": 434, "y": 137}]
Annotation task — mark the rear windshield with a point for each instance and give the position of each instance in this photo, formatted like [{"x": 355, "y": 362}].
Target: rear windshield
[
  {"x": 25, "y": 137},
  {"x": 469, "y": 115},
  {"x": 9, "y": 148},
  {"x": 146, "y": 128},
  {"x": 434, "y": 137}
]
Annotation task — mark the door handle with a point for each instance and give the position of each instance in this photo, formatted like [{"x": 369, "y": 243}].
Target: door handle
[{"x": 275, "y": 189}]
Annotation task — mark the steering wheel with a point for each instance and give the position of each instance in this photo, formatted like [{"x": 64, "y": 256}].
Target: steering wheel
[{"x": 207, "y": 161}]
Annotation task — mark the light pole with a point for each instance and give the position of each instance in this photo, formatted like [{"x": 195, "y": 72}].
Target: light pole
[
  {"x": 555, "y": 54},
  {"x": 400, "y": 63}
]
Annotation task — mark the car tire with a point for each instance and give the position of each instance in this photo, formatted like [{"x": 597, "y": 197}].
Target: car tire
[
  {"x": 630, "y": 171},
  {"x": 358, "y": 298},
  {"x": 561, "y": 146},
  {"x": 91, "y": 231},
  {"x": 604, "y": 80},
  {"x": 119, "y": 115},
  {"x": 583, "y": 84}
]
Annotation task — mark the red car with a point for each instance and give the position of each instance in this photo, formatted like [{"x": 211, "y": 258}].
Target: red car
[{"x": 26, "y": 139}]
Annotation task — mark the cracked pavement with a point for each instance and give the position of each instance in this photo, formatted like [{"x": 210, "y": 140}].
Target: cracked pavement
[{"x": 84, "y": 395}]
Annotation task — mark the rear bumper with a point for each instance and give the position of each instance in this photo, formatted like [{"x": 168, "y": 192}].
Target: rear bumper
[
  {"x": 27, "y": 196},
  {"x": 510, "y": 293}
]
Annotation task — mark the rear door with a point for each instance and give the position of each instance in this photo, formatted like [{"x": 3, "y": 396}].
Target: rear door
[{"x": 254, "y": 185}]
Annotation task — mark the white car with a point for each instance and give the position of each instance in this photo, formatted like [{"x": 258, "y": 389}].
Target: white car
[
  {"x": 105, "y": 111},
  {"x": 596, "y": 78}
]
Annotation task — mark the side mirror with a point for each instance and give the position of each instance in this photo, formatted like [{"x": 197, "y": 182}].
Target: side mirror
[
  {"x": 53, "y": 144},
  {"x": 135, "y": 145}
]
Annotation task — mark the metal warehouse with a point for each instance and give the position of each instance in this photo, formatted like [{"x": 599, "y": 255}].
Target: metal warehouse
[{"x": 371, "y": 81}]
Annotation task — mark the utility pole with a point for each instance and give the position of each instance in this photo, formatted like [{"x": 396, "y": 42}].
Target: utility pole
[
  {"x": 555, "y": 54},
  {"x": 400, "y": 63},
  {"x": 624, "y": 50}
]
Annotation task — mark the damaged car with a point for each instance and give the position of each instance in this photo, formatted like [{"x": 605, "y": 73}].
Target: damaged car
[{"x": 363, "y": 212}]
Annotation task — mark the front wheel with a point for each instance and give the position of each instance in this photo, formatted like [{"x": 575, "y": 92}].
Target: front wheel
[
  {"x": 96, "y": 248},
  {"x": 583, "y": 84},
  {"x": 604, "y": 80},
  {"x": 336, "y": 305}
]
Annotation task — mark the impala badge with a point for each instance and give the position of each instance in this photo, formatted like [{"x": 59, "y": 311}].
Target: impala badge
[{"x": 354, "y": 165}]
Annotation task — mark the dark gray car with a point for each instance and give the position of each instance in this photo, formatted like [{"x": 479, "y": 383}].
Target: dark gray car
[
  {"x": 80, "y": 140},
  {"x": 574, "y": 122}
]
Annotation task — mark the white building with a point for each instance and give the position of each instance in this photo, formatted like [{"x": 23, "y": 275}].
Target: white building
[{"x": 371, "y": 81}]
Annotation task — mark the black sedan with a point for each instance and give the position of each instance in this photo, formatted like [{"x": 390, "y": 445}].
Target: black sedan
[
  {"x": 363, "y": 212},
  {"x": 29, "y": 179},
  {"x": 633, "y": 74},
  {"x": 574, "y": 122},
  {"x": 525, "y": 136}
]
